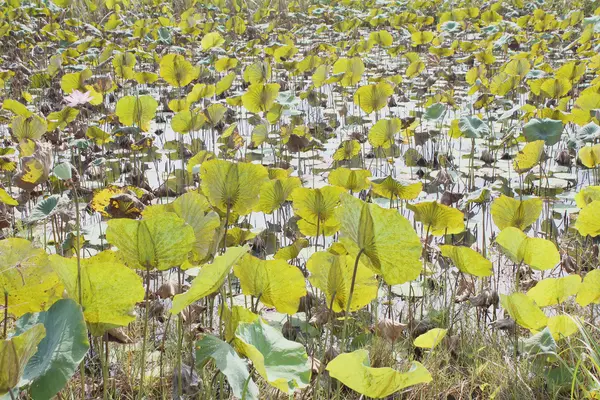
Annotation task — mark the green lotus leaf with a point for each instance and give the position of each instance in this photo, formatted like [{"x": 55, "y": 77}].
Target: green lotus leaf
[{"x": 282, "y": 363}]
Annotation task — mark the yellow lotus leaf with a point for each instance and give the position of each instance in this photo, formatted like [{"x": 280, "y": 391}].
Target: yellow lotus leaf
[
  {"x": 354, "y": 370},
  {"x": 373, "y": 97},
  {"x": 587, "y": 195},
  {"x": 556, "y": 87},
  {"x": 382, "y": 38},
  {"x": 225, "y": 64},
  {"x": 99, "y": 136},
  {"x": 233, "y": 317},
  {"x": 200, "y": 91},
  {"x": 195, "y": 210},
  {"x": 259, "y": 72},
  {"x": 187, "y": 121},
  {"x": 75, "y": 81},
  {"x": 551, "y": 291},
  {"x": 350, "y": 179},
  {"x": 32, "y": 127},
  {"x": 109, "y": 290},
  {"x": 327, "y": 228},
  {"x": 383, "y": 238},
  {"x": 431, "y": 338},
  {"x": 14, "y": 356},
  {"x": 260, "y": 97},
  {"x": 137, "y": 110},
  {"x": 562, "y": 326},
  {"x": 507, "y": 211},
  {"x": 210, "y": 40},
  {"x": 590, "y": 156},
  {"x": 392, "y": 189},
  {"x": 274, "y": 193},
  {"x": 347, "y": 150},
  {"x": 162, "y": 241},
  {"x": 468, "y": 260},
  {"x": 193, "y": 164},
  {"x": 319, "y": 77},
  {"x": 26, "y": 277},
  {"x": 588, "y": 220},
  {"x": 233, "y": 186},
  {"x": 529, "y": 156},
  {"x": 292, "y": 251},
  {"x": 177, "y": 71},
  {"x": 421, "y": 37},
  {"x": 415, "y": 68},
  {"x": 351, "y": 70},
  {"x": 518, "y": 67},
  {"x": 538, "y": 253},
  {"x": 225, "y": 83},
  {"x": 383, "y": 132},
  {"x": 209, "y": 279},
  {"x": 438, "y": 219},
  {"x": 17, "y": 108},
  {"x": 316, "y": 205},
  {"x": 589, "y": 290},
  {"x": 274, "y": 282},
  {"x": 6, "y": 198},
  {"x": 332, "y": 274},
  {"x": 524, "y": 311}
]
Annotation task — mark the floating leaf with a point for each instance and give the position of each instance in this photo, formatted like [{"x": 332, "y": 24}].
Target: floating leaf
[
  {"x": 59, "y": 353},
  {"x": 274, "y": 282},
  {"x": 332, "y": 274},
  {"x": 282, "y": 363},
  {"x": 507, "y": 211},
  {"x": 162, "y": 241},
  {"x": 209, "y": 279},
  {"x": 383, "y": 238},
  {"x": 468, "y": 260},
  {"x": 538, "y": 253},
  {"x": 524, "y": 311},
  {"x": 354, "y": 370}
]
